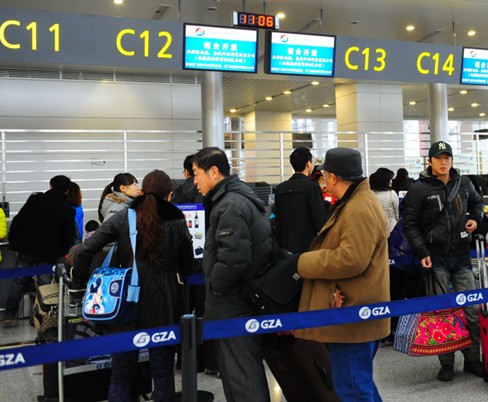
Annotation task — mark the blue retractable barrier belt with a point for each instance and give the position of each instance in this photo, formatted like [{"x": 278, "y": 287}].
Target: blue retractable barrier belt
[
  {"x": 48, "y": 353},
  {"x": 26, "y": 271}
]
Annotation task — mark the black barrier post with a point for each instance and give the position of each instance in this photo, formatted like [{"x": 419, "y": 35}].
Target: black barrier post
[{"x": 188, "y": 324}]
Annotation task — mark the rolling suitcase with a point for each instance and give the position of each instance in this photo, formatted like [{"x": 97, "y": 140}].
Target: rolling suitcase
[
  {"x": 483, "y": 310},
  {"x": 301, "y": 368}
]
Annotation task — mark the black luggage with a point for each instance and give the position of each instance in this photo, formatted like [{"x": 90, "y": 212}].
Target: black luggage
[
  {"x": 301, "y": 368},
  {"x": 90, "y": 386}
]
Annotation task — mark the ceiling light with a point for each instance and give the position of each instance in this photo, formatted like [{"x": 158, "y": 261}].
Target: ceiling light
[
  {"x": 118, "y": 2},
  {"x": 451, "y": 109},
  {"x": 472, "y": 32},
  {"x": 475, "y": 104},
  {"x": 482, "y": 114},
  {"x": 463, "y": 92},
  {"x": 233, "y": 110},
  {"x": 268, "y": 98},
  {"x": 315, "y": 83},
  {"x": 280, "y": 16},
  {"x": 411, "y": 103},
  {"x": 308, "y": 110},
  {"x": 410, "y": 28},
  {"x": 287, "y": 92},
  {"x": 325, "y": 105}
]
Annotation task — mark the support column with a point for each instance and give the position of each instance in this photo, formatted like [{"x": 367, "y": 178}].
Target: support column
[
  {"x": 262, "y": 140},
  {"x": 370, "y": 118},
  {"x": 439, "y": 129},
  {"x": 212, "y": 109}
]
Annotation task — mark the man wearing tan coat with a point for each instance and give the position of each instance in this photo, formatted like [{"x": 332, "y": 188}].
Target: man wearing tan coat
[{"x": 348, "y": 265}]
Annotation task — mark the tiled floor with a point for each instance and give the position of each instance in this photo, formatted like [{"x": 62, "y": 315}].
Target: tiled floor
[{"x": 398, "y": 377}]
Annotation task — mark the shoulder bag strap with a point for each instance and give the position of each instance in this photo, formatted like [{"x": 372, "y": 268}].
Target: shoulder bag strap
[
  {"x": 131, "y": 215},
  {"x": 450, "y": 198}
]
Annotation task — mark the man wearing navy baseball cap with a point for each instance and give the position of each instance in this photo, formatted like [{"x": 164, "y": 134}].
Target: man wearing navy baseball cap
[
  {"x": 347, "y": 265},
  {"x": 441, "y": 210}
]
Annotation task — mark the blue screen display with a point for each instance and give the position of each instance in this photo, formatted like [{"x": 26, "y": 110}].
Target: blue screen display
[
  {"x": 300, "y": 54},
  {"x": 475, "y": 66},
  {"x": 220, "y": 49}
]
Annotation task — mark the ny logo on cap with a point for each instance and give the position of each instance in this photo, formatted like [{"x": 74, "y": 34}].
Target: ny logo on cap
[{"x": 442, "y": 146}]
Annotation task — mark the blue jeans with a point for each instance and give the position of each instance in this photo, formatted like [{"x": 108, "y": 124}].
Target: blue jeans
[
  {"x": 124, "y": 366},
  {"x": 18, "y": 285},
  {"x": 352, "y": 371},
  {"x": 458, "y": 272}
]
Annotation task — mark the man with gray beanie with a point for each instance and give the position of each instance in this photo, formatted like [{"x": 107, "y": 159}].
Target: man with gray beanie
[
  {"x": 440, "y": 212},
  {"x": 347, "y": 265}
]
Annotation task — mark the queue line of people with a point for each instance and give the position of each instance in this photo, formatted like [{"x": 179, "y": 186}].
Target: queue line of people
[{"x": 346, "y": 257}]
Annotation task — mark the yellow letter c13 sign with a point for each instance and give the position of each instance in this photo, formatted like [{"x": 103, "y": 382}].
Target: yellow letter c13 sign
[{"x": 384, "y": 60}]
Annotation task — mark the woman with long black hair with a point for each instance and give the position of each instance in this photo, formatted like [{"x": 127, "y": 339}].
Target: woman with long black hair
[{"x": 163, "y": 252}]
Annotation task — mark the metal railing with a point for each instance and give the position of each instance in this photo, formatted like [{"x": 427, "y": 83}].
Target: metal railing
[{"x": 29, "y": 158}]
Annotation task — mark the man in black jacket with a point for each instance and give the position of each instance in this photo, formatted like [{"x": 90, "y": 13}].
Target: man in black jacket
[
  {"x": 187, "y": 193},
  {"x": 42, "y": 231},
  {"x": 438, "y": 227},
  {"x": 299, "y": 207},
  {"x": 237, "y": 243}
]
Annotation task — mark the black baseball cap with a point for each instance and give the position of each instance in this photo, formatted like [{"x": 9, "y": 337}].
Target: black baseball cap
[{"x": 439, "y": 148}]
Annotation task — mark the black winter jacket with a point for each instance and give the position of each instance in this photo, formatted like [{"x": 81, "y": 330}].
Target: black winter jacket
[
  {"x": 434, "y": 233},
  {"x": 160, "y": 301},
  {"x": 238, "y": 243},
  {"x": 300, "y": 212},
  {"x": 45, "y": 227}
]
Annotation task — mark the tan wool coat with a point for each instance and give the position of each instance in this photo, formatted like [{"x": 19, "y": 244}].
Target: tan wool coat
[{"x": 350, "y": 253}]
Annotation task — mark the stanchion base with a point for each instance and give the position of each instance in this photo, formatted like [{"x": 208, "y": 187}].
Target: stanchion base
[{"x": 202, "y": 396}]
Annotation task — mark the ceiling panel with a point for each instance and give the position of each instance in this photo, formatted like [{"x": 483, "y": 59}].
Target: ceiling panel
[{"x": 436, "y": 21}]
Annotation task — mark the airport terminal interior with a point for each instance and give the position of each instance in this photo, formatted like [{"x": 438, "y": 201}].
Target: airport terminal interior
[{"x": 94, "y": 87}]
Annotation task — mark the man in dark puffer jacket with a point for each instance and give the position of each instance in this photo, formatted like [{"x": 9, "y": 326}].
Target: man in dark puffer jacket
[
  {"x": 438, "y": 228},
  {"x": 238, "y": 242}
]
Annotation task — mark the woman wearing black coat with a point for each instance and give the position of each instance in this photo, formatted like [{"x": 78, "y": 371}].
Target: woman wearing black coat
[{"x": 164, "y": 249}]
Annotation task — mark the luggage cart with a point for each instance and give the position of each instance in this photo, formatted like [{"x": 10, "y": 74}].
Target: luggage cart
[
  {"x": 483, "y": 309},
  {"x": 91, "y": 375}
]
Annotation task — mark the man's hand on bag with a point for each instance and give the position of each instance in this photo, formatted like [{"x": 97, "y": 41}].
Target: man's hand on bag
[
  {"x": 426, "y": 262},
  {"x": 471, "y": 226}
]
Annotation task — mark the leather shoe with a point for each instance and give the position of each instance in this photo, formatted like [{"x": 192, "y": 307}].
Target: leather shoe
[
  {"x": 446, "y": 373},
  {"x": 475, "y": 368}
]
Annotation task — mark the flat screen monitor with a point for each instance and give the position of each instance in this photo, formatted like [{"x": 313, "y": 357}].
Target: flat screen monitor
[
  {"x": 300, "y": 54},
  {"x": 474, "y": 70},
  {"x": 220, "y": 49}
]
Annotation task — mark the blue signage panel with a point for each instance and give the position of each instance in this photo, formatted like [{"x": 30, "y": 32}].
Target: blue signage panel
[
  {"x": 220, "y": 49},
  {"x": 475, "y": 66},
  {"x": 300, "y": 54}
]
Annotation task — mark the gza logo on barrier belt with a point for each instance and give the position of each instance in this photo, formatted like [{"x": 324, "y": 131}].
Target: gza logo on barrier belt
[
  {"x": 253, "y": 325},
  {"x": 366, "y": 312},
  {"x": 11, "y": 359},
  {"x": 142, "y": 339},
  {"x": 462, "y": 298}
]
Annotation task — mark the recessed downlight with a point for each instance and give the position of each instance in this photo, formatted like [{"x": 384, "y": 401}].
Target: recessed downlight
[{"x": 410, "y": 28}]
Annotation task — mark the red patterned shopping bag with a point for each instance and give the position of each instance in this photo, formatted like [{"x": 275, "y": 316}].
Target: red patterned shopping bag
[{"x": 432, "y": 333}]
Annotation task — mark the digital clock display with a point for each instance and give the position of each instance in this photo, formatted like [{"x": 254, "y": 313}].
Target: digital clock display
[{"x": 255, "y": 20}]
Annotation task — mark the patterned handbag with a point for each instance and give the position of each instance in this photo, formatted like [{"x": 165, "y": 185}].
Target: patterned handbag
[{"x": 433, "y": 332}]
